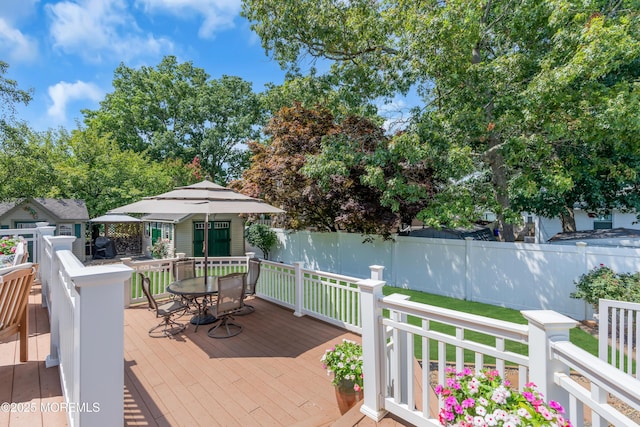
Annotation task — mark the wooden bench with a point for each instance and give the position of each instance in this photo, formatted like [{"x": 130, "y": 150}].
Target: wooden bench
[{"x": 15, "y": 287}]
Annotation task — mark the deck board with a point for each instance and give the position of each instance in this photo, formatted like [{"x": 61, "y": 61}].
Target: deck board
[{"x": 269, "y": 375}]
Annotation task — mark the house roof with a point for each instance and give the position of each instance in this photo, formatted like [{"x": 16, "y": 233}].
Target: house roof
[
  {"x": 64, "y": 209},
  {"x": 614, "y": 233},
  {"x": 476, "y": 233}
]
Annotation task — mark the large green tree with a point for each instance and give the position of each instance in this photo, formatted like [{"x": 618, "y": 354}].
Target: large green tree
[
  {"x": 97, "y": 171},
  {"x": 175, "y": 110},
  {"x": 336, "y": 175},
  {"x": 508, "y": 83}
]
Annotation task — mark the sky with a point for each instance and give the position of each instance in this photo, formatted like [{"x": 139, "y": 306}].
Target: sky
[{"x": 67, "y": 51}]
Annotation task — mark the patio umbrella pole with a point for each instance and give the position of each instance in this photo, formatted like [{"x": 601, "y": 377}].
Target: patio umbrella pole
[{"x": 206, "y": 249}]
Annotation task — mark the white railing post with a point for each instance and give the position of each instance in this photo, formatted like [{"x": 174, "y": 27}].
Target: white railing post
[
  {"x": 376, "y": 272},
  {"x": 59, "y": 243},
  {"x": 546, "y": 326},
  {"x": 43, "y": 230},
  {"x": 100, "y": 343},
  {"x": 373, "y": 348},
  {"x": 250, "y": 255},
  {"x": 299, "y": 288}
]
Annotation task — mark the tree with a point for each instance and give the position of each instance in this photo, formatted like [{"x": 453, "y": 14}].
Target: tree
[
  {"x": 27, "y": 161},
  {"x": 97, "y": 171},
  {"x": 10, "y": 95},
  {"x": 335, "y": 176},
  {"x": 508, "y": 82},
  {"x": 176, "y": 111},
  {"x": 262, "y": 237}
]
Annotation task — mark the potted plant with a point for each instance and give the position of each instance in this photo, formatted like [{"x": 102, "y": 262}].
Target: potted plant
[
  {"x": 8, "y": 247},
  {"x": 344, "y": 361},
  {"x": 484, "y": 399}
]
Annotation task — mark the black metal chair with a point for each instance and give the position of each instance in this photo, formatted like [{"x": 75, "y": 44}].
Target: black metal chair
[
  {"x": 253, "y": 274},
  {"x": 167, "y": 311},
  {"x": 230, "y": 296}
]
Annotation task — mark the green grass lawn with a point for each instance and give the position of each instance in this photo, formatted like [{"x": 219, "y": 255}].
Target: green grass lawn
[{"x": 577, "y": 336}]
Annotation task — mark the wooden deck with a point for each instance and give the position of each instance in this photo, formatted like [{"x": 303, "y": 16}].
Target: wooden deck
[{"x": 270, "y": 374}]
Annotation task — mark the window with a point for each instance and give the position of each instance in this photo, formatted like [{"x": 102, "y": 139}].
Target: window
[
  {"x": 65, "y": 230},
  {"x": 603, "y": 222}
]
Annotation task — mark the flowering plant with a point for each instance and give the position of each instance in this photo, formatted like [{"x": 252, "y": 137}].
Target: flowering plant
[
  {"x": 8, "y": 246},
  {"x": 160, "y": 248},
  {"x": 603, "y": 282},
  {"x": 344, "y": 361},
  {"x": 484, "y": 399}
]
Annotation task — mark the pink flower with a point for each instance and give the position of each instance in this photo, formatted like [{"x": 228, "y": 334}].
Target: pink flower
[
  {"x": 555, "y": 405},
  {"x": 356, "y": 387}
]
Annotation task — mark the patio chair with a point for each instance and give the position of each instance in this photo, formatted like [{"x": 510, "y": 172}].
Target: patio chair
[
  {"x": 184, "y": 268},
  {"x": 229, "y": 301},
  {"x": 167, "y": 311},
  {"x": 252, "y": 280},
  {"x": 15, "y": 286}
]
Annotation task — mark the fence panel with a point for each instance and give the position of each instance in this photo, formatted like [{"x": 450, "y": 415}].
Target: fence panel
[{"x": 277, "y": 283}]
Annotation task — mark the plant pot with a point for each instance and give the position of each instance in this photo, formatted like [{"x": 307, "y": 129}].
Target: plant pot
[{"x": 346, "y": 396}]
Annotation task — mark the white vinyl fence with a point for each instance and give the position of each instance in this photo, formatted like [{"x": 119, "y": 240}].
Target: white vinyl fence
[{"x": 522, "y": 276}]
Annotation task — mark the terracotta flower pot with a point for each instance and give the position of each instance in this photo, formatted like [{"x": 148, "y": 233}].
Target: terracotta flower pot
[{"x": 346, "y": 396}]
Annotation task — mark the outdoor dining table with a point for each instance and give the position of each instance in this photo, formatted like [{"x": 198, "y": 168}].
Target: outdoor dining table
[{"x": 194, "y": 289}]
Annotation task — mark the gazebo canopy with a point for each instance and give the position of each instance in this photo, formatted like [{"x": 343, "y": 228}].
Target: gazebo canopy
[
  {"x": 114, "y": 218},
  {"x": 204, "y": 197}
]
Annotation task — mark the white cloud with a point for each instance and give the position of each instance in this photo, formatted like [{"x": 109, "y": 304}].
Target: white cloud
[
  {"x": 94, "y": 28},
  {"x": 63, "y": 92},
  {"x": 218, "y": 14},
  {"x": 15, "y": 45}
]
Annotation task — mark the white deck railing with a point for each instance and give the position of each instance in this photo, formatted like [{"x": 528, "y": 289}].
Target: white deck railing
[
  {"x": 619, "y": 334},
  {"x": 87, "y": 331},
  {"x": 390, "y": 343},
  {"x": 87, "y": 338},
  {"x": 160, "y": 271},
  {"x": 330, "y": 297}
]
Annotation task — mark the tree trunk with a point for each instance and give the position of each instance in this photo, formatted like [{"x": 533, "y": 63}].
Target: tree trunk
[
  {"x": 499, "y": 182},
  {"x": 568, "y": 219}
]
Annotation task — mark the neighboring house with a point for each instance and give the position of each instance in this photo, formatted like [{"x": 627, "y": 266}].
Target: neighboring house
[
  {"x": 546, "y": 228},
  {"x": 186, "y": 233},
  {"x": 616, "y": 237},
  {"x": 69, "y": 216}
]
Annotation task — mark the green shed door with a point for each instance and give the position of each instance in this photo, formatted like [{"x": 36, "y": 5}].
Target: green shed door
[{"x": 219, "y": 238}]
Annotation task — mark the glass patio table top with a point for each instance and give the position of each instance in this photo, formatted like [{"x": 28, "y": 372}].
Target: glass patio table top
[{"x": 194, "y": 287}]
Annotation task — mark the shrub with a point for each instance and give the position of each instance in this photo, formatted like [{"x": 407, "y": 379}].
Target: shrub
[
  {"x": 603, "y": 282},
  {"x": 262, "y": 237},
  {"x": 160, "y": 248}
]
